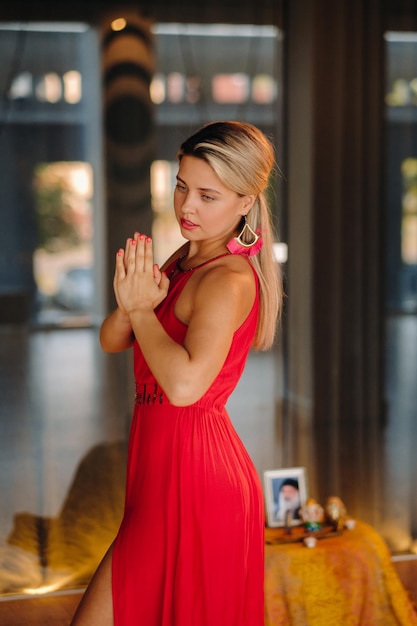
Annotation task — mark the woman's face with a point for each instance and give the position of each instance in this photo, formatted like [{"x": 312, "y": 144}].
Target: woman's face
[{"x": 205, "y": 208}]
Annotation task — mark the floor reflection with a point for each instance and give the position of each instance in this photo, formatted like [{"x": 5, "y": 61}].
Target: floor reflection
[
  {"x": 400, "y": 437},
  {"x": 66, "y": 549},
  {"x": 59, "y": 397}
]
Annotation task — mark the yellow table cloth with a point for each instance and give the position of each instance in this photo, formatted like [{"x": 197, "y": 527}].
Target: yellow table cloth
[{"x": 346, "y": 580}]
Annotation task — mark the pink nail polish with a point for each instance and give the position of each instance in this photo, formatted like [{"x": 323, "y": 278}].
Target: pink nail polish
[
  {"x": 148, "y": 240},
  {"x": 141, "y": 237}
]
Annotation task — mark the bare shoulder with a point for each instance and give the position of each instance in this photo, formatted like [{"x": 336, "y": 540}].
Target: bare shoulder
[
  {"x": 225, "y": 287},
  {"x": 232, "y": 271},
  {"x": 229, "y": 280}
]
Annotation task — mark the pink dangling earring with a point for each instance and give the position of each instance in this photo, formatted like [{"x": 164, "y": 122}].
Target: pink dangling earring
[{"x": 239, "y": 246}]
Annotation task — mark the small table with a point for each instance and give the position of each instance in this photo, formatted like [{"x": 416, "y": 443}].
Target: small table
[{"x": 346, "y": 580}]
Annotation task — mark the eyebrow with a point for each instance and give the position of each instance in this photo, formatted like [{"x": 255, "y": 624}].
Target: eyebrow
[{"x": 205, "y": 189}]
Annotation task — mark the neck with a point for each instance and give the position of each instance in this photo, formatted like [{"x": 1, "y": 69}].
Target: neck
[
  {"x": 198, "y": 255},
  {"x": 203, "y": 250},
  {"x": 180, "y": 268}
]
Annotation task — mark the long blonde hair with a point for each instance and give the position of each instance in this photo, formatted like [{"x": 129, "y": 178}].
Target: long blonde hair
[{"x": 243, "y": 158}]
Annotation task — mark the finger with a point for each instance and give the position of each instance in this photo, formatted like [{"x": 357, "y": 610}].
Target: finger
[
  {"x": 148, "y": 251},
  {"x": 164, "y": 282},
  {"x": 120, "y": 271},
  {"x": 130, "y": 261},
  {"x": 157, "y": 274},
  {"x": 127, "y": 245},
  {"x": 140, "y": 251}
]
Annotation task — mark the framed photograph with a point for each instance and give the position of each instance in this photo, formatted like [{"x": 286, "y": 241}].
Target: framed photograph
[{"x": 285, "y": 494}]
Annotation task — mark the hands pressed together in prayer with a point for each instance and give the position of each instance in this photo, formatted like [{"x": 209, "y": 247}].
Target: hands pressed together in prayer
[{"x": 139, "y": 284}]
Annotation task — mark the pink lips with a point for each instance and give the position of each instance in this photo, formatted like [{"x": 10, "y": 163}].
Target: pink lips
[{"x": 187, "y": 225}]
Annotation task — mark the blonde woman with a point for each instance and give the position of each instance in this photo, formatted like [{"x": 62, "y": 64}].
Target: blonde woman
[{"x": 189, "y": 551}]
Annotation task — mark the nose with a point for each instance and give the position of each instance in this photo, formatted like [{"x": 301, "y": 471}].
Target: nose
[{"x": 188, "y": 204}]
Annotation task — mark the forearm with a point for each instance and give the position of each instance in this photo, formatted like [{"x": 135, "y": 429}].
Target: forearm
[
  {"x": 169, "y": 361},
  {"x": 116, "y": 332}
]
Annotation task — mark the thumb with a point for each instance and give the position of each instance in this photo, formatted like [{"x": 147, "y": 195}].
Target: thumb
[
  {"x": 164, "y": 282},
  {"x": 157, "y": 274}
]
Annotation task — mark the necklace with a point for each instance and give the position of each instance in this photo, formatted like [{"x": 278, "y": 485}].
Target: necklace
[{"x": 190, "y": 269}]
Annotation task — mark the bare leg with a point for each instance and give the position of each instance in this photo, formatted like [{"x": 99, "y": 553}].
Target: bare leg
[{"x": 96, "y": 606}]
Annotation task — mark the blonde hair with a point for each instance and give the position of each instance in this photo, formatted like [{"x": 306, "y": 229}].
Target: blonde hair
[{"x": 243, "y": 158}]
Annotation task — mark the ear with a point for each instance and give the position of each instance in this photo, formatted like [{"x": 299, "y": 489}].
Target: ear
[{"x": 247, "y": 204}]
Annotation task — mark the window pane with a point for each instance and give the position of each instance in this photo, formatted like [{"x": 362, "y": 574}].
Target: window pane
[{"x": 398, "y": 470}]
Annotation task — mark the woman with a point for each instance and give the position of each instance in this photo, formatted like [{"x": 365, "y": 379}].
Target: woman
[{"x": 189, "y": 551}]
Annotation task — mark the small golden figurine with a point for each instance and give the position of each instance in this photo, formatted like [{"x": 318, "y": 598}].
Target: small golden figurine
[
  {"x": 312, "y": 514},
  {"x": 335, "y": 512}
]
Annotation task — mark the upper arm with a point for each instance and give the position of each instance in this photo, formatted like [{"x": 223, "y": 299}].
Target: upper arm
[{"x": 221, "y": 301}]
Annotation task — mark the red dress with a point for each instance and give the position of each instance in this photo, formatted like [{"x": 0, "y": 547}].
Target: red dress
[{"x": 190, "y": 549}]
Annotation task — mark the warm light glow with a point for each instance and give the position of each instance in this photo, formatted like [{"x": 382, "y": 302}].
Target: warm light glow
[
  {"x": 230, "y": 88},
  {"x": 409, "y": 239},
  {"x": 74, "y": 184},
  {"x": 50, "y": 88},
  {"x": 157, "y": 89},
  {"x": 175, "y": 87},
  {"x": 263, "y": 89},
  {"x": 409, "y": 211},
  {"x": 161, "y": 183},
  {"x": 165, "y": 232},
  {"x": 38, "y": 591},
  {"x": 72, "y": 87},
  {"x": 118, "y": 24}
]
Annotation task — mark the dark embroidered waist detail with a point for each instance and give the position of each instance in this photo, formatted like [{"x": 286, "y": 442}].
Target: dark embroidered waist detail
[{"x": 149, "y": 393}]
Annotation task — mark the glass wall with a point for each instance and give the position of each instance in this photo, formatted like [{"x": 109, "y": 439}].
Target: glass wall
[
  {"x": 50, "y": 212},
  {"x": 401, "y": 168},
  {"x": 49, "y": 165},
  {"x": 400, "y": 434}
]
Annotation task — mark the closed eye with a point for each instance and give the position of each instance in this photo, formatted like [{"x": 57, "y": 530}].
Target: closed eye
[{"x": 180, "y": 187}]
